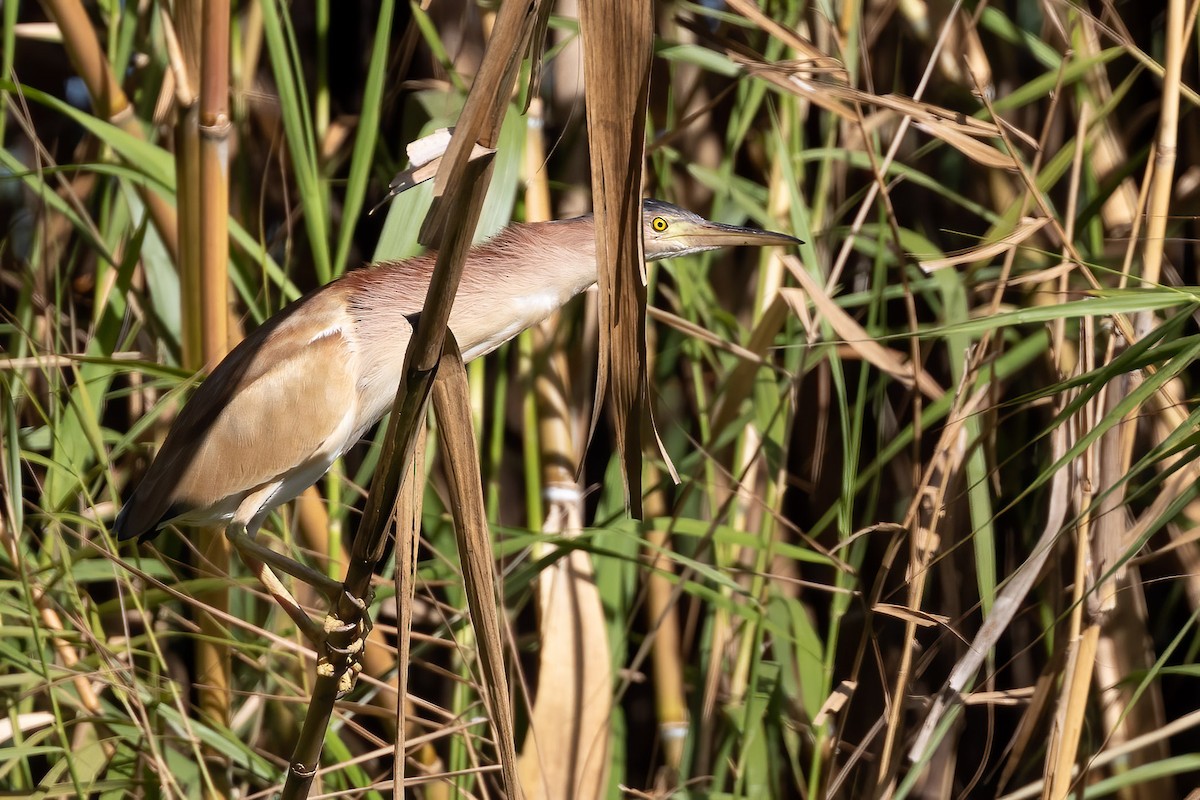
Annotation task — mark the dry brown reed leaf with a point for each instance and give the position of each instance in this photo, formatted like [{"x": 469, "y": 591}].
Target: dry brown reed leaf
[
  {"x": 854, "y": 335},
  {"x": 999, "y": 697},
  {"x": 973, "y": 149},
  {"x": 456, "y": 443},
  {"x": 1026, "y": 228},
  {"x": 702, "y": 334},
  {"x": 955, "y": 128},
  {"x": 618, "y": 39},
  {"x": 795, "y": 41}
]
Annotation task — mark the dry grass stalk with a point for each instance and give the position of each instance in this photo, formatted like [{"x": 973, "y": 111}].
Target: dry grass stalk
[
  {"x": 1163, "y": 179},
  {"x": 408, "y": 533}
]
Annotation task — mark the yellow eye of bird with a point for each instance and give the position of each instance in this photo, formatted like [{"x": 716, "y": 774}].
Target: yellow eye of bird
[{"x": 659, "y": 224}]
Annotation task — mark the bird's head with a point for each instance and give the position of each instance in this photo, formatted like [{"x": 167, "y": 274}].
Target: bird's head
[{"x": 670, "y": 231}]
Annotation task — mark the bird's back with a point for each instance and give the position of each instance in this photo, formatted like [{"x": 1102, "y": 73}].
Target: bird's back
[{"x": 275, "y": 404}]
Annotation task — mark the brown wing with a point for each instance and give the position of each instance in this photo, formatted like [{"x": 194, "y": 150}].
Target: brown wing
[{"x": 271, "y": 406}]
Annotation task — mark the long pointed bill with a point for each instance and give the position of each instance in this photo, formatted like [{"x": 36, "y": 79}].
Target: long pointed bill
[{"x": 718, "y": 234}]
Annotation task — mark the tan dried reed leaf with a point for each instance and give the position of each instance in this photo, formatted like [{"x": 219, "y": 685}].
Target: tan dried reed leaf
[
  {"x": 1027, "y": 227},
  {"x": 537, "y": 45},
  {"x": 977, "y": 151},
  {"x": 807, "y": 49},
  {"x": 957, "y": 129},
  {"x": 916, "y": 616},
  {"x": 703, "y": 334},
  {"x": 566, "y": 751},
  {"x": 1000, "y": 697},
  {"x": 834, "y": 703},
  {"x": 854, "y": 334},
  {"x": 456, "y": 443},
  {"x": 618, "y": 37}
]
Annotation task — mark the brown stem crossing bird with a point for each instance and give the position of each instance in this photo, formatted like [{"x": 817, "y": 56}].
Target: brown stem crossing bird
[{"x": 301, "y": 389}]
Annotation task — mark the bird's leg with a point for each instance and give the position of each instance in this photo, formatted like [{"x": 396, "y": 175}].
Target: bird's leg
[
  {"x": 238, "y": 536},
  {"x": 244, "y": 540},
  {"x": 333, "y": 589},
  {"x": 260, "y": 559}
]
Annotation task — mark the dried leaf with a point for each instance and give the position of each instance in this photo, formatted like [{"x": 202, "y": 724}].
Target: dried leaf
[
  {"x": 977, "y": 151},
  {"x": 566, "y": 752},
  {"x": 1027, "y": 227},
  {"x": 456, "y": 442},
  {"x": 618, "y": 38},
  {"x": 916, "y": 616},
  {"x": 833, "y": 704},
  {"x": 854, "y": 335}
]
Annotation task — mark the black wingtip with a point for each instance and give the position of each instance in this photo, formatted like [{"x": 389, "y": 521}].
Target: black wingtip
[
  {"x": 121, "y": 527},
  {"x": 126, "y": 528}
]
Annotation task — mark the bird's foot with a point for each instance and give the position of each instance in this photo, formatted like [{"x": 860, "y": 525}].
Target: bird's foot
[{"x": 345, "y": 641}]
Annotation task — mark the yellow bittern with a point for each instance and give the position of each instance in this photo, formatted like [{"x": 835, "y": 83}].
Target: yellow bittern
[{"x": 301, "y": 389}]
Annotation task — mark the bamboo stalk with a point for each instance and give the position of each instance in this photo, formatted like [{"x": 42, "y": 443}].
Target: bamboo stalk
[
  {"x": 213, "y": 658},
  {"x": 1165, "y": 150}
]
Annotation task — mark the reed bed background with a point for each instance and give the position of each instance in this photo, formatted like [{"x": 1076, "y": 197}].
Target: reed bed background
[{"x": 934, "y": 530}]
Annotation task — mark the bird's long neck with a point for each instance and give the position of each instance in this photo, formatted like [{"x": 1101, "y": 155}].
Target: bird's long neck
[{"x": 519, "y": 278}]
